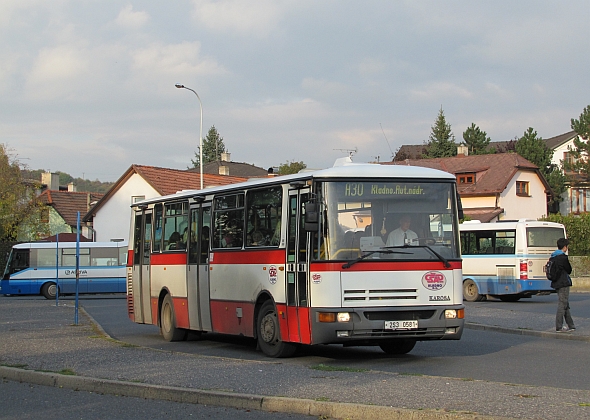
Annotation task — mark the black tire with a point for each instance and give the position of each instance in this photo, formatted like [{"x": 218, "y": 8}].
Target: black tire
[
  {"x": 269, "y": 334},
  {"x": 168, "y": 327},
  {"x": 49, "y": 290},
  {"x": 509, "y": 298},
  {"x": 401, "y": 346},
  {"x": 471, "y": 292}
]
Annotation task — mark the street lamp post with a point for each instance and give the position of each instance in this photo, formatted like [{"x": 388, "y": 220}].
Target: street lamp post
[{"x": 179, "y": 86}]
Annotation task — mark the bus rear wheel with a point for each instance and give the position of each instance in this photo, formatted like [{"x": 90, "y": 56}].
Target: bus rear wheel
[
  {"x": 471, "y": 292},
  {"x": 398, "y": 346},
  {"x": 49, "y": 290},
  {"x": 168, "y": 327},
  {"x": 269, "y": 334}
]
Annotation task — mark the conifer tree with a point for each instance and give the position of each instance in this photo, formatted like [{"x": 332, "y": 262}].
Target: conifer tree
[
  {"x": 477, "y": 141},
  {"x": 581, "y": 150},
  {"x": 213, "y": 147},
  {"x": 441, "y": 142}
]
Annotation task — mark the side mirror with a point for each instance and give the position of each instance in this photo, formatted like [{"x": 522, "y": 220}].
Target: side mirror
[{"x": 311, "y": 217}]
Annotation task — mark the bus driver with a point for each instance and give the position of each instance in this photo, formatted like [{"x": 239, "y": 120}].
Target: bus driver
[{"x": 402, "y": 235}]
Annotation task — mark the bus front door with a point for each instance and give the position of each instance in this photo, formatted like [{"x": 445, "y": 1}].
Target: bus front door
[
  {"x": 199, "y": 312},
  {"x": 297, "y": 268},
  {"x": 141, "y": 268}
]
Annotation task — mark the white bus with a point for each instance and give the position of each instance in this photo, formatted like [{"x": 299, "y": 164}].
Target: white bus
[
  {"x": 301, "y": 259},
  {"x": 41, "y": 267},
  {"x": 506, "y": 259}
]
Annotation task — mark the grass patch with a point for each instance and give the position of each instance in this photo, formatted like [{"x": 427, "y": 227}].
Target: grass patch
[
  {"x": 322, "y": 399},
  {"x": 525, "y": 396},
  {"x": 18, "y": 366},
  {"x": 326, "y": 368},
  {"x": 584, "y": 404},
  {"x": 67, "y": 371}
]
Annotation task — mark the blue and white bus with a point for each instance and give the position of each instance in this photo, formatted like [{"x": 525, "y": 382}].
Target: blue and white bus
[
  {"x": 506, "y": 259},
  {"x": 33, "y": 268}
]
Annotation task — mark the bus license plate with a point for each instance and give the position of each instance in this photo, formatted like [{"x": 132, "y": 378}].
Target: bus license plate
[{"x": 401, "y": 325}]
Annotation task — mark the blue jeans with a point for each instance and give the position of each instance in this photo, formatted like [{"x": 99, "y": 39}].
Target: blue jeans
[{"x": 563, "y": 309}]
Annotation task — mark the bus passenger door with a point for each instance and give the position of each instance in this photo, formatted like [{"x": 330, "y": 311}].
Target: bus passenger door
[
  {"x": 199, "y": 312},
  {"x": 141, "y": 267},
  {"x": 297, "y": 268}
]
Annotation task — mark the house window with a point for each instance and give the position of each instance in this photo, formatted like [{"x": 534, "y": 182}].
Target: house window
[
  {"x": 522, "y": 188},
  {"x": 466, "y": 179},
  {"x": 580, "y": 200}
]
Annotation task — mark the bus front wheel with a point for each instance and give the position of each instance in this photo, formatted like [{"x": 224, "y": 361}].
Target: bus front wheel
[
  {"x": 269, "y": 334},
  {"x": 168, "y": 327},
  {"x": 471, "y": 292},
  {"x": 398, "y": 346},
  {"x": 49, "y": 290}
]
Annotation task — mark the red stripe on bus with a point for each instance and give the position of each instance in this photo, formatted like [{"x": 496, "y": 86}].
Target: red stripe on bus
[
  {"x": 225, "y": 320},
  {"x": 181, "y": 312},
  {"x": 171, "y": 258},
  {"x": 386, "y": 266},
  {"x": 275, "y": 256},
  {"x": 283, "y": 321},
  {"x": 129, "y": 258},
  {"x": 304, "y": 325}
]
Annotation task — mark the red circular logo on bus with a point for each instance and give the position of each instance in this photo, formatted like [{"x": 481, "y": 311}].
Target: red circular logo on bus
[{"x": 434, "y": 280}]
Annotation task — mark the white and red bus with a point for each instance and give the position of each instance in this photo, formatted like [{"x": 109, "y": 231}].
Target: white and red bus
[{"x": 303, "y": 259}]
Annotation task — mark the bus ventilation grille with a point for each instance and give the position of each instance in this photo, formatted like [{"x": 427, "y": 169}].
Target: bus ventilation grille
[{"x": 377, "y": 296}]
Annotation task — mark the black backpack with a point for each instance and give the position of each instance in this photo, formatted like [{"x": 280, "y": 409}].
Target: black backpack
[{"x": 551, "y": 270}]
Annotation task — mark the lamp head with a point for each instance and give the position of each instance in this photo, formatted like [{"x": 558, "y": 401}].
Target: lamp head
[{"x": 179, "y": 86}]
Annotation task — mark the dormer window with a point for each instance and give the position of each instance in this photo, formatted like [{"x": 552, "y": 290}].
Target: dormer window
[{"x": 466, "y": 179}]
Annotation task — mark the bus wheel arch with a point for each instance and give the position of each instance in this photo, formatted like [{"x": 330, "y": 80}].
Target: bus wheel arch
[
  {"x": 49, "y": 290},
  {"x": 167, "y": 319},
  {"x": 471, "y": 291},
  {"x": 268, "y": 334}
]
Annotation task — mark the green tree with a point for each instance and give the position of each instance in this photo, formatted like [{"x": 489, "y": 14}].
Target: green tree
[
  {"x": 535, "y": 150},
  {"x": 213, "y": 147},
  {"x": 20, "y": 211},
  {"x": 581, "y": 150},
  {"x": 477, "y": 141},
  {"x": 291, "y": 167},
  {"x": 441, "y": 142}
]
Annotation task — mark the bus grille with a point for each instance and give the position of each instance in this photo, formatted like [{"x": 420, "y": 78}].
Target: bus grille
[
  {"x": 130, "y": 308},
  {"x": 398, "y": 315},
  {"x": 506, "y": 275},
  {"x": 377, "y": 296}
]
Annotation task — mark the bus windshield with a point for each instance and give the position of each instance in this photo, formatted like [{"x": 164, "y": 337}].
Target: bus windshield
[{"x": 405, "y": 220}]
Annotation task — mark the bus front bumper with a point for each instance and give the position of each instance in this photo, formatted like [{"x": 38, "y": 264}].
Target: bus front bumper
[{"x": 369, "y": 326}]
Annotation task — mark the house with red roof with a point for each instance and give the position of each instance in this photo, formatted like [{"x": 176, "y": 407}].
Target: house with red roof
[
  {"x": 110, "y": 218},
  {"x": 494, "y": 187},
  {"x": 62, "y": 208}
]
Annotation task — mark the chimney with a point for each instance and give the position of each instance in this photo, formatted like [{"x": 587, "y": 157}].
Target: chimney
[
  {"x": 225, "y": 157},
  {"x": 462, "y": 150},
  {"x": 51, "y": 180},
  {"x": 71, "y": 187},
  {"x": 223, "y": 170}
]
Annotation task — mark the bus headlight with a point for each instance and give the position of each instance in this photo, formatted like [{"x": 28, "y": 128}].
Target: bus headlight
[
  {"x": 454, "y": 313},
  {"x": 343, "y": 317}
]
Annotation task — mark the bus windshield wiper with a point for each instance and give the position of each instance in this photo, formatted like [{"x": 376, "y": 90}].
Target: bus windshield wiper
[
  {"x": 379, "y": 251},
  {"x": 440, "y": 257}
]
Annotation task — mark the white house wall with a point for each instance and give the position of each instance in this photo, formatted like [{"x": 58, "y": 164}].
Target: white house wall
[
  {"x": 478, "y": 202},
  {"x": 516, "y": 207},
  {"x": 113, "y": 219}
]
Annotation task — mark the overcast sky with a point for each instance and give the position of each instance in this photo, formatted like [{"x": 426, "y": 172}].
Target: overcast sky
[{"x": 87, "y": 87}]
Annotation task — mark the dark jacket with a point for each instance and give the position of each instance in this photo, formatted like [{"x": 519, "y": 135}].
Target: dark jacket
[{"x": 565, "y": 269}]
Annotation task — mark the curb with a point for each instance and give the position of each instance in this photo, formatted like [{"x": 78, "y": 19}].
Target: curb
[
  {"x": 322, "y": 409},
  {"x": 520, "y": 331}
]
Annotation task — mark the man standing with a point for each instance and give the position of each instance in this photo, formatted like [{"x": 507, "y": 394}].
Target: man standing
[{"x": 562, "y": 284}]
